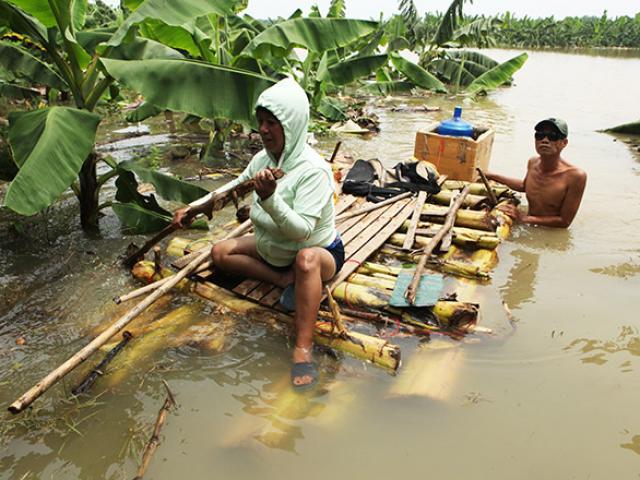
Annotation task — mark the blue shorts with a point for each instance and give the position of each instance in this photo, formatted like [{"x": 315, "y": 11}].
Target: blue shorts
[{"x": 336, "y": 249}]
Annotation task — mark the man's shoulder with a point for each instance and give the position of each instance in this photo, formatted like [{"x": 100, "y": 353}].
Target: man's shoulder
[{"x": 573, "y": 171}]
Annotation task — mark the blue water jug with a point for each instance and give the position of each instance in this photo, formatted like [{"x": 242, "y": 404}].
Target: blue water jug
[{"x": 456, "y": 127}]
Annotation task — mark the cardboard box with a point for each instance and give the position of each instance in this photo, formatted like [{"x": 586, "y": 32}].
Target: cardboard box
[{"x": 456, "y": 157}]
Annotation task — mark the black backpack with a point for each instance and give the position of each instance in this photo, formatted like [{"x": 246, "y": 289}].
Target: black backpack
[{"x": 360, "y": 181}]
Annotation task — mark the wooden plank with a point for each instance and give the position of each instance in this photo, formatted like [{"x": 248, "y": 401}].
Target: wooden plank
[
  {"x": 344, "y": 203},
  {"x": 362, "y": 254},
  {"x": 370, "y": 233},
  {"x": 411, "y": 231},
  {"x": 368, "y": 226},
  {"x": 243, "y": 288},
  {"x": 260, "y": 291},
  {"x": 359, "y": 224}
]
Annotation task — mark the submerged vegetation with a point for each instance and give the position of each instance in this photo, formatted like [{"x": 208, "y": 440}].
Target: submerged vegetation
[{"x": 65, "y": 60}]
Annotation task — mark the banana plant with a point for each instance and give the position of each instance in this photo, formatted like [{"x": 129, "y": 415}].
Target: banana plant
[{"x": 53, "y": 148}]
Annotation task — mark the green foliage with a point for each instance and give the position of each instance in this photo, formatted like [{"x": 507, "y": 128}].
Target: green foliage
[
  {"x": 49, "y": 146},
  {"x": 497, "y": 75},
  {"x": 315, "y": 34},
  {"x": 21, "y": 64},
  {"x": 632, "y": 128},
  {"x": 99, "y": 15},
  {"x": 178, "y": 85}
]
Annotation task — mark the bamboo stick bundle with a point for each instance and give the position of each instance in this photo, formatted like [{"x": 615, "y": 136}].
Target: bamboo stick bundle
[
  {"x": 453, "y": 267},
  {"x": 478, "y": 219},
  {"x": 361, "y": 346}
]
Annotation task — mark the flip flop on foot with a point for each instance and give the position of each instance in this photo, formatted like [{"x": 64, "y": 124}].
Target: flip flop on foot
[
  {"x": 301, "y": 370},
  {"x": 288, "y": 298}
]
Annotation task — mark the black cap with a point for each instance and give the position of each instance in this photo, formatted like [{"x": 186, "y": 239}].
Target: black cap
[{"x": 556, "y": 123}]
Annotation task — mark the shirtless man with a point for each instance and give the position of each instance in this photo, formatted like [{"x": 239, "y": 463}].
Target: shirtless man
[{"x": 552, "y": 185}]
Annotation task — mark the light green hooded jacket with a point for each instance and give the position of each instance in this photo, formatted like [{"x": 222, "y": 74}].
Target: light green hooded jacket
[{"x": 300, "y": 213}]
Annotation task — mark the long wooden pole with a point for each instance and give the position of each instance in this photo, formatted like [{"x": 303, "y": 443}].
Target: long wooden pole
[
  {"x": 492, "y": 195},
  {"x": 412, "y": 289},
  {"x": 43, "y": 385},
  {"x": 375, "y": 206},
  {"x": 236, "y": 232}
]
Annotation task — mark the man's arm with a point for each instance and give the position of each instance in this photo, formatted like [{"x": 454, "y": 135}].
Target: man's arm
[
  {"x": 513, "y": 183},
  {"x": 569, "y": 207}
]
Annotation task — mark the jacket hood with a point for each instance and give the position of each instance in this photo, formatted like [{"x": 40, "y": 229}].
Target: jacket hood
[{"x": 288, "y": 102}]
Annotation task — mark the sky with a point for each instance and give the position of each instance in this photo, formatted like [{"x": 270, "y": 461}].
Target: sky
[{"x": 370, "y": 8}]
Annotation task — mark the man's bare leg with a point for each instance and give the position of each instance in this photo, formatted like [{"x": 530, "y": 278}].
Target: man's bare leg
[
  {"x": 239, "y": 256},
  {"x": 312, "y": 267}
]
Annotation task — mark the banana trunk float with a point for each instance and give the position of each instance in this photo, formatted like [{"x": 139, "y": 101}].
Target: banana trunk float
[
  {"x": 431, "y": 372},
  {"x": 452, "y": 267},
  {"x": 461, "y": 239},
  {"x": 365, "y": 347},
  {"x": 478, "y": 219},
  {"x": 447, "y": 313}
]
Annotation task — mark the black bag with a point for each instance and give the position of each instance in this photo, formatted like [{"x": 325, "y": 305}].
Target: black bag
[{"x": 360, "y": 181}]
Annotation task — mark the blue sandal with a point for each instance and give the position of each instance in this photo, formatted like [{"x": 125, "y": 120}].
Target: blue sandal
[
  {"x": 304, "y": 369},
  {"x": 288, "y": 298}
]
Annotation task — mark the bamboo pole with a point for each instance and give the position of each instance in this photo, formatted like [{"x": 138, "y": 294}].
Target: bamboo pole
[
  {"x": 490, "y": 192},
  {"x": 412, "y": 289},
  {"x": 375, "y": 206},
  {"x": 154, "y": 441},
  {"x": 43, "y": 385},
  {"x": 87, "y": 383}
]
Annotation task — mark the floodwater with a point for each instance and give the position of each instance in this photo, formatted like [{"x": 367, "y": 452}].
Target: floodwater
[{"x": 555, "y": 398}]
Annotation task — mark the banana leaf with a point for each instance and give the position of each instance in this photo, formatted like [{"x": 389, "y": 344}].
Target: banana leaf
[
  {"x": 202, "y": 89},
  {"x": 632, "y": 128},
  {"x": 348, "y": 71},
  {"x": 50, "y": 146},
  {"x": 472, "y": 56},
  {"x": 337, "y": 9},
  {"x": 497, "y": 75},
  {"x": 137, "y": 49},
  {"x": 332, "y": 109},
  {"x": 418, "y": 75},
  {"x": 139, "y": 220},
  {"x": 21, "y": 22},
  {"x": 169, "y": 188},
  {"x": 449, "y": 23},
  {"x": 71, "y": 13},
  {"x": 175, "y": 13},
  {"x": 388, "y": 87},
  {"x": 17, "y": 92},
  {"x": 21, "y": 64},
  {"x": 144, "y": 111},
  {"x": 450, "y": 69},
  {"x": 315, "y": 34},
  {"x": 175, "y": 36}
]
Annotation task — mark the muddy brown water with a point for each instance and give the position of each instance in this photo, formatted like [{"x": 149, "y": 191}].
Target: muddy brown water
[{"x": 556, "y": 398}]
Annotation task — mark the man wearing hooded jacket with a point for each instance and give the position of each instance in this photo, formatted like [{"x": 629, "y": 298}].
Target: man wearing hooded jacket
[{"x": 295, "y": 245}]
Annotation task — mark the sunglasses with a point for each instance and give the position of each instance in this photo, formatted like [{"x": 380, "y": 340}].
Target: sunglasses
[{"x": 552, "y": 136}]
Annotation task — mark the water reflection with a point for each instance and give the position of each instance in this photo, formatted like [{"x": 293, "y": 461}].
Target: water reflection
[
  {"x": 532, "y": 243},
  {"x": 598, "y": 352}
]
